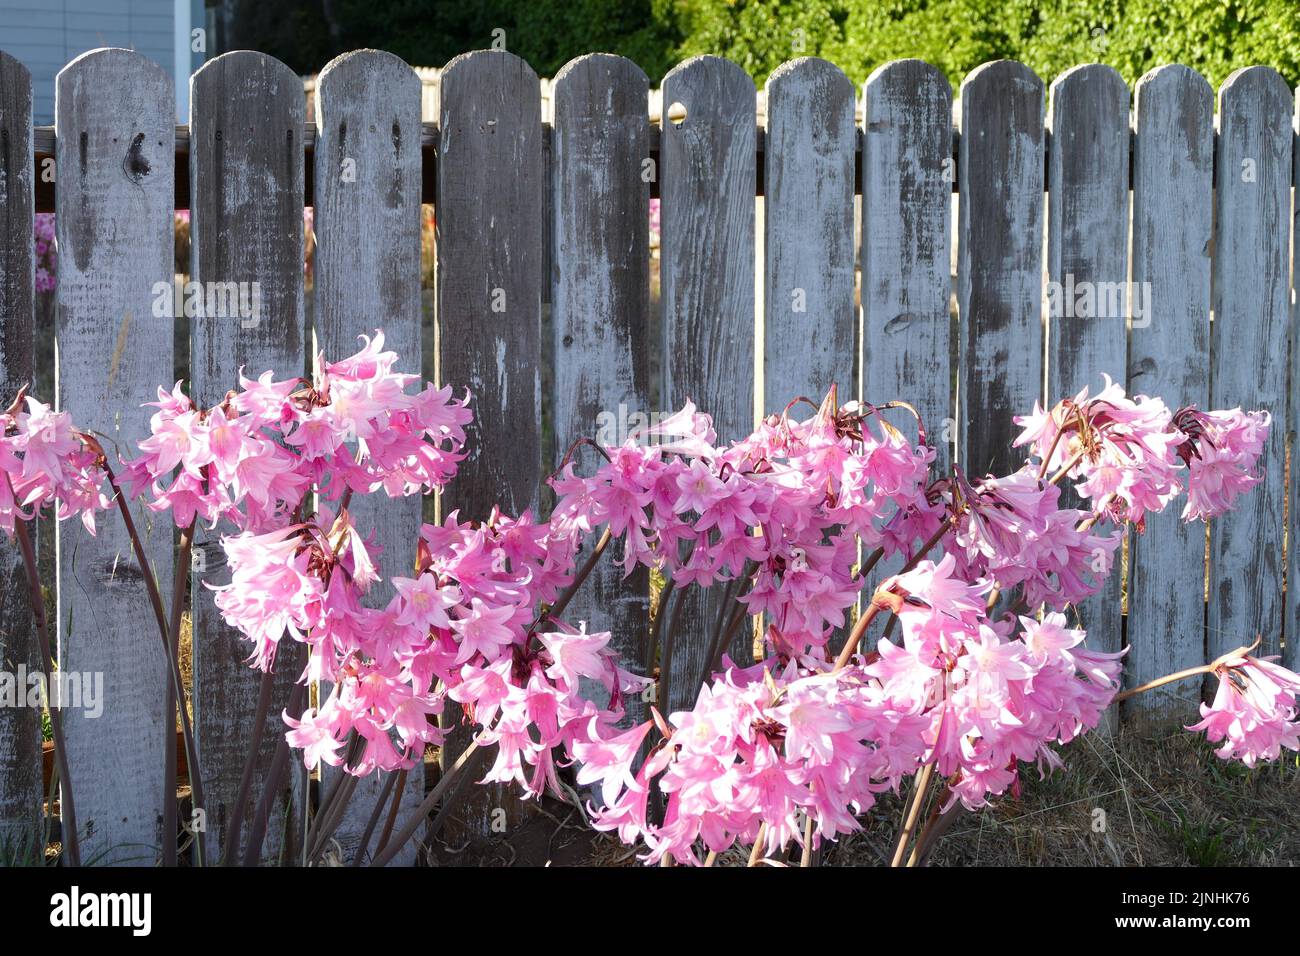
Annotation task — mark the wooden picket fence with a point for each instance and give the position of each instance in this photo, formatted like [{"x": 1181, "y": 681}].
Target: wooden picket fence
[{"x": 543, "y": 226}]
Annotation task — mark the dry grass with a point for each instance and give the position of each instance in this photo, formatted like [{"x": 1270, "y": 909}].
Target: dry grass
[
  {"x": 1167, "y": 801},
  {"x": 186, "y": 663}
]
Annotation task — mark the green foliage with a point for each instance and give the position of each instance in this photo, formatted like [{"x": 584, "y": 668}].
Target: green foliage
[
  {"x": 1201, "y": 841},
  {"x": 20, "y": 847},
  {"x": 1213, "y": 36}
]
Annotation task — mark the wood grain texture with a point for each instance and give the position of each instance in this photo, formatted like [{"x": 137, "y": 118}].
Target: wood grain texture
[
  {"x": 999, "y": 261},
  {"x": 1248, "y": 339},
  {"x": 707, "y": 175},
  {"x": 114, "y": 122},
  {"x": 367, "y": 276},
  {"x": 808, "y": 308},
  {"x": 600, "y": 300},
  {"x": 1087, "y": 228},
  {"x": 906, "y": 252},
  {"x": 1173, "y": 158},
  {"x": 1087, "y": 267},
  {"x": 907, "y": 327},
  {"x": 246, "y": 164},
  {"x": 1291, "y": 653},
  {"x": 809, "y": 328},
  {"x": 490, "y": 238},
  {"x": 490, "y": 234},
  {"x": 20, "y": 727}
]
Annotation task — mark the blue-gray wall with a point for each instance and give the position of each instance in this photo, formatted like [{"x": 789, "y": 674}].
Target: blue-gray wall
[{"x": 46, "y": 34}]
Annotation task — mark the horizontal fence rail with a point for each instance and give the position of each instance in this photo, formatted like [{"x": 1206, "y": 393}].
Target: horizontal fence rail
[
  {"x": 910, "y": 243},
  {"x": 43, "y": 148}
]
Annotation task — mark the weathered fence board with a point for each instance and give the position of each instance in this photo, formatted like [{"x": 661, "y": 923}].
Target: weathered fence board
[
  {"x": 489, "y": 299},
  {"x": 114, "y": 120},
  {"x": 489, "y": 274},
  {"x": 1087, "y": 266},
  {"x": 20, "y": 726},
  {"x": 1086, "y": 249},
  {"x": 999, "y": 261},
  {"x": 246, "y": 164},
  {"x": 707, "y": 281},
  {"x": 1249, "y": 338},
  {"x": 367, "y": 275},
  {"x": 600, "y": 303},
  {"x": 809, "y": 317},
  {"x": 1291, "y": 652},
  {"x": 1173, "y": 157},
  {"x": 907, "y": 174},
  {"x": 907, "y": 329},
  {"x": 809, "y": 320}
]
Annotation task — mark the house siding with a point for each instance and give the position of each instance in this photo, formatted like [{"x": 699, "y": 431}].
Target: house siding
[{"x": 46, "y": 34}]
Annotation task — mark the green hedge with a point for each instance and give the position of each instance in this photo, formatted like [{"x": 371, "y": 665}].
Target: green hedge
[{"x": 1214, "y": 36}]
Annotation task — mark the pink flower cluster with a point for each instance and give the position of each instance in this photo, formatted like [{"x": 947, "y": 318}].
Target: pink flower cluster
[
  {"x": 796, "y": 737},
  {"x": 464, "y": 628},
  {"x": 1254, "y": 712},
  {"x": 972, "y": 694},
  {"x": 1221, "y": 451},
  {"x": 992, "y": 697},
  {"x": 769, "y": 745},
  {"x": 812, "y": 491},
  {"x": 1127, "y": 455},
  {"x": 1013, "y": 531},
  {"x": 253, "y": 458},
  {"x": 253, "y": 461},
  {"x": 44, "y": 460},
  {"x": 791, "y": 518}
]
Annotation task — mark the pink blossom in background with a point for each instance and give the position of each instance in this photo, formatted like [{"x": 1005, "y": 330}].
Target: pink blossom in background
[
  {"x": 1128, "y": 455},
  {"x": 47, "y": 256}
]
